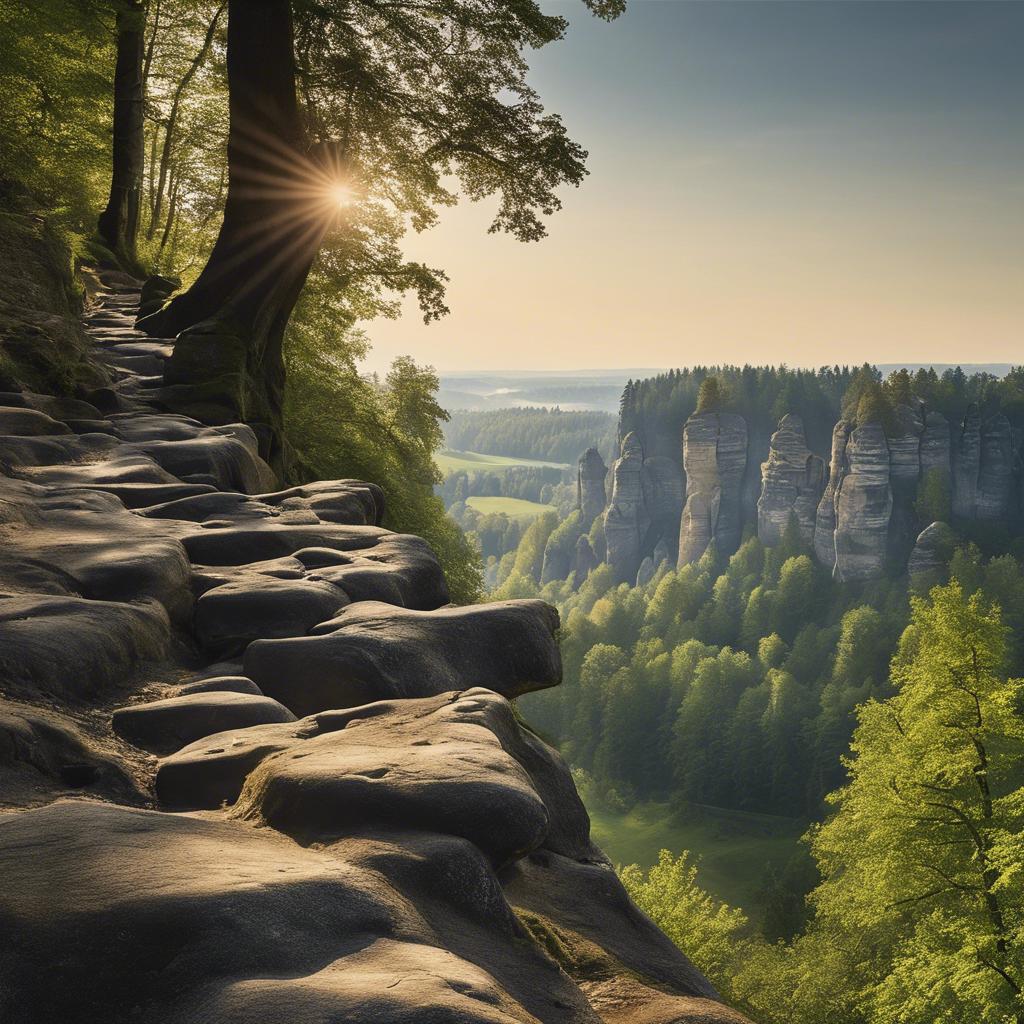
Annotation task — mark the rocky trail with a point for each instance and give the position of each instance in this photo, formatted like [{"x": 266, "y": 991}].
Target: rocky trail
[{"x": 255, "y": 767}]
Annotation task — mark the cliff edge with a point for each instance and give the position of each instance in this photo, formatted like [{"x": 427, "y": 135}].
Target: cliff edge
[{"x": 254, "y": 766}]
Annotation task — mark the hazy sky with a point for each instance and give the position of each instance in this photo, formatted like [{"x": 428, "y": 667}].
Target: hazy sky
[{"x": 769, "y": 182}]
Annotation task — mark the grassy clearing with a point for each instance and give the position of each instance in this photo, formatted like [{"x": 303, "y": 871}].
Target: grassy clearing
[
  {"x": 514, "y": 508},
  {"x": 452, "y": 462},
  {"x": 733, "y": 848}
]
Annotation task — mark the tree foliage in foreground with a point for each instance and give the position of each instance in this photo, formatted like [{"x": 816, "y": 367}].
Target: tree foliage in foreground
[{"x": 919, "y": 917}]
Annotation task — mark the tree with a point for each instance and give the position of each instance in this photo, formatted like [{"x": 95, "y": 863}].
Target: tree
[
  {"x": 712, "y": 395},
  {"x": 119, "y": 222},
  {"x": 710, "y": 933},
  {"x": 933, "y": 502},
  {"x": 922, "y": 859},
  {"x": 374, "y": 108}
]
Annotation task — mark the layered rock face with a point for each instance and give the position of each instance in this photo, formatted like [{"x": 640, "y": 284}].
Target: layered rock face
[
  {"x": 792, "y": 483},
  {"x": 627, "y": 520},
  {"x": 373, "y": 836},
  {"x": 996, "y": 496},
  {"x": 590, "y": 493},
  {"x": 825, "y": 521},
  {"x": 863, "y": 506},
  {"x": 967, "y": 465},
  {"x": 972, "y": 473},
  {"x": 715, "y": 459}
]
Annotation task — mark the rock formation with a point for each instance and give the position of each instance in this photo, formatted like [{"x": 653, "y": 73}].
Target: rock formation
[
  {"x": 404, "y": 852},
  {"x": 967, "y": 465},
  {"x": 935, "y": 444},
  {"x": 663, "y": 490},
  {"x": 715, "y": 459},
  {"x": 996, "y": 496},
  {"x": 734, "y": 474},
  {"x": 825, "y": 521},
  {"x": 904, "y": 444},
  {"x": 792, "y": 483},
  {"x": 585, "y": 563},
  {"x": 626, "y": 520},
  {"x": 863, "y": 506},
  {"x": 932, "y": 551},
  {"x": 645, "y": 573},
  {"x": 590, "y": 494}
]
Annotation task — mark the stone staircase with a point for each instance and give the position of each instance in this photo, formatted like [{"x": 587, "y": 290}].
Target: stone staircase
[{"x": 254, "y": 766}]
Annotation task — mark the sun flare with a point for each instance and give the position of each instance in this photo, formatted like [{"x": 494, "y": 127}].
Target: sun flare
[{"x": 340, "y": 194}]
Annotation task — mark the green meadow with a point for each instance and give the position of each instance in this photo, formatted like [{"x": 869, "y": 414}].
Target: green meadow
[
  {"x": 452, "y": 462},
  {"x": 514, "y": 508},
  {"x": 733, "y": 849}
]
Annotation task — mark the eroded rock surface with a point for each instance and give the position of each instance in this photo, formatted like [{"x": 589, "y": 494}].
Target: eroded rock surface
[
  {"x": 375, "y": 651},
  {"x": 792, "y": 483},
  {"x": 863, "y": 506},
  {"x": 162, "y": 588},
  {"x": 626, "y": 521},
  {"x": 590, "y": 493},
  {"x": 715, "y": 460}
]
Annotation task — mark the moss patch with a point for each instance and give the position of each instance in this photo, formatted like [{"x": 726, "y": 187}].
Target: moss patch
[{"x": 42, "y": 345}]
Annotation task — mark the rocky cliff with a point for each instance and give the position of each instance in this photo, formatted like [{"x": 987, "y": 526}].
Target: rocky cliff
[
  {"x": 861, "y": 513},
  {"x": 255, "y": 768},
  {"x": 590, "y": 492},
  {"x": 715, "y": 460},
  {"x": 792, "y": 483}
]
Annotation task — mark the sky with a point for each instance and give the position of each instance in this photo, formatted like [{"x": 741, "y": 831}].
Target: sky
[{"x": 770, "y": 182}]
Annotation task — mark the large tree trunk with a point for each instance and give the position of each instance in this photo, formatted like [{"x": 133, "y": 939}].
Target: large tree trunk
[
  {"x": 227, "y": 363},
  {"x": 119, "y": 222}
]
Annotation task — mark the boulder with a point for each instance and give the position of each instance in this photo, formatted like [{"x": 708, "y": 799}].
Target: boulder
[
  {"x": 581, "y": 908},
  {"x": 165, "y": 725},
  {"x": 374, "y": 651},
  {"x": 229, "y": 617},
  {"x": 212, "y": 771},
  {"x": 714, "y": 459},
  {"x": 158, "y": 286},
  {"x": 145, "y": 912},
  {"x": 29, "y": 423},
  {"x": 792, "y": 483},
  {"x": 366, "y": 562},
  {"x": 863, "y": 506},
  {"x": 66, "y": 646},
  {"x": 590, "y": 493},
  {"x": 434, "y": 765}
]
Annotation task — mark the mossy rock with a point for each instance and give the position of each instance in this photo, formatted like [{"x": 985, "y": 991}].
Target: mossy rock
[{"x": 42, "y": 345}]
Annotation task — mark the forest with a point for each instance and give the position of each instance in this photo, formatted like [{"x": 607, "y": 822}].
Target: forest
[
  {"x": 886, "y": 717},
  {"x": 351, "y": 171},
  {"x": 759, "y": 683},
  {"x": 548, "y": 435}
]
